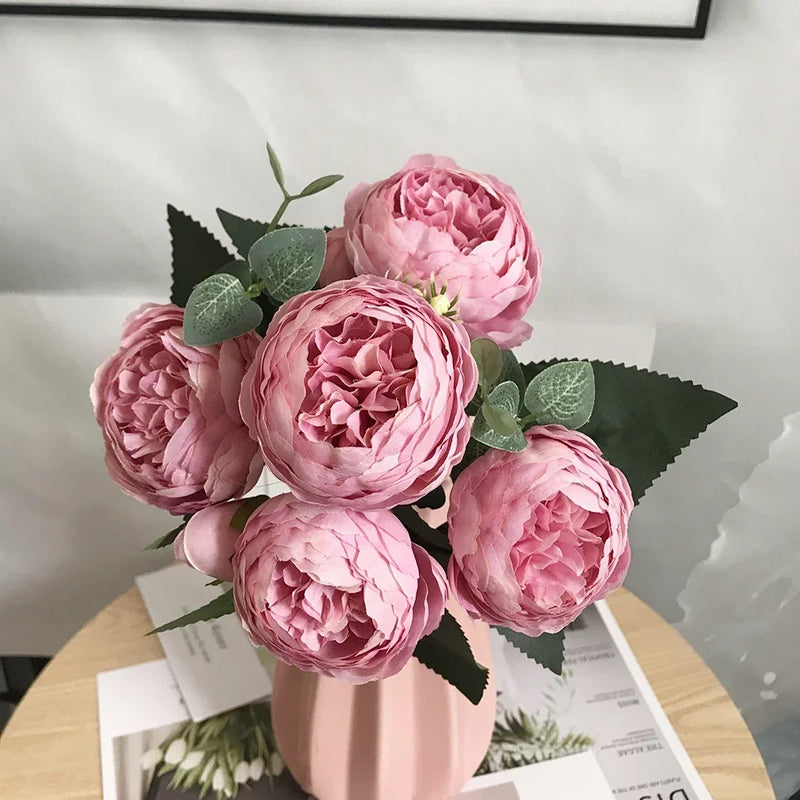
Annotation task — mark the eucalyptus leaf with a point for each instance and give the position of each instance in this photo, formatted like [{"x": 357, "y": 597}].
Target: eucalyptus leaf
[
  {"x": 218, "y": 309},
  {"x": 320, "y": 184},
  {"x": 289, "y": 260},
  {"x": 489, "y": 359},
  {"x": 546, "y": 649},
  {"x": 562, "y": 394},
  {"x": 244, "y": 233},
  {"x": 240, "y": 270},
  {"x": 642, "y": 419},
  {"x": 506, "y": 396},
  {"x": 447, "y": 652},
  {"x": 277, "y": 169},
  {"x": 484, "y": 433},
  {"x": 511, "y": 371},
  {"x": 196, "y": 254},
  {"x": 219, "y": 607},
  {"x": 499, "y": 420}
]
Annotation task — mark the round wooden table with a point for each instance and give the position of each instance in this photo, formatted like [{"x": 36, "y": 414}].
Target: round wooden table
[{"x": 50, "y": 749}]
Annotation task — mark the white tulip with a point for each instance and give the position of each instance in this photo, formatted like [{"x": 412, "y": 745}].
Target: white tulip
[
  {"x": 176, "y": 752},
  {"x": 193, "y": 759},
  {"x": 207, "y": 770},
  {"x": 242, "y": 772},
  {"x": 256, "y": 769},
  {"x": 218, "y": 781},
  {"x": 276, "y": 764},
  {"x": 151, "y": 759}
]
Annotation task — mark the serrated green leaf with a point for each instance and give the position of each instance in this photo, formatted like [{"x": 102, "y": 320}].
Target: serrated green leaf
[
  {"x": 167, "y": 539},
  {"x": 483, "y": 432},
  {"x": 642, "y": 419},
  {"x": 546, "y": 649},
  {"x": 562, "y": 394},
  {"x": 277, "y": 169},
  {"x": 246, "y": 509},
  {"x": 499, "y": 420},
  {"x": 447, "y": 652},
  {"x": 289, "y": 260},
  {"x": 219, "y": 607},
  {"x": 218, "y": 309},
  {"x": 320, "y": 184},
  {"x": 489, "y": 359},
  {"x": 196, "y": 254},
  {"x": 244, "y": 233},
  {"x": 433, "y": 540}
]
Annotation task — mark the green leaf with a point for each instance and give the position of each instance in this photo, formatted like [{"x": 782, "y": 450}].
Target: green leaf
[
  {"x": 447, "y": 652},
  {"x": 289, "y": 260},
  {"x": 434, "y": 499},
  {"x": 196, "y": 254},
  {"x": 218, "y": 309},
  {"x": 219, "y": 607},
  {"x": 499, "y": 420},
  {"x": 320, "y": 184},
  {"x": 546, "y": 649},
  {"x": 511, "y": 371},
  {"x": 642, "y": 419},
  {"x": 506, "y": 396},
  {"x": 277, "y": 169},
  {"x": 562, "y": 394},
  {"x": 244, "y": 233},
  {"x": 433, "y": 540},
  {"x": 245, "y": 511},
  {"x": 239, "y": 269},
  {"x": 167, "y": 539},
  {"x": 489, "y": 359},
  {"x": 484, "y": 433}
]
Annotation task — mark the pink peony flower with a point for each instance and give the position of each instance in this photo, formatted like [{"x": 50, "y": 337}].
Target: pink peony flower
[
  {"x": 173, "y": 432},
  {"x": 433, "y": 219},
  {"x": 337, "y": 266},
  {"x": 208, "y": 541},
  {"x": 357, "y": 394},
  {"x": 336, "y": 591},
  {"x": 538, "y": 535}
]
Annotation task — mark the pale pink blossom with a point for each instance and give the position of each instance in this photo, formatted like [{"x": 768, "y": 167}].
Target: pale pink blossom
[
  {"x": 436, "y": 220},
  {"x": 333, "y": 590},
  {"x": 540, "y": 534}
]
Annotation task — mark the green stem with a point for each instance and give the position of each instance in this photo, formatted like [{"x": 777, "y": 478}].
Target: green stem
[
  {"x": 526, "y": 422},
  {"x": 280, "y": 212},
  {"x": 256, "y": 289}
]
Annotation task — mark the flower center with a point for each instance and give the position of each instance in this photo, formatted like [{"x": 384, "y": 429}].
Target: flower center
[
  {"x": 318, "y": 615},
  {"x": 561, "y": 552},
  {"x": 360, "y": 372},
  {"x": 451, "y": 202},
  {"x": 153, "y": 398}
]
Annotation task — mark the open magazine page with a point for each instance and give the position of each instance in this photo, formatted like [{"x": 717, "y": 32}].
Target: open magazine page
[{"x": 602, "y": 703}]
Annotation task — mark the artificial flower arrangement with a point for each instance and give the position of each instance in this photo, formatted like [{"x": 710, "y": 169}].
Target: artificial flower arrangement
[{"x": 371, "y": 368}]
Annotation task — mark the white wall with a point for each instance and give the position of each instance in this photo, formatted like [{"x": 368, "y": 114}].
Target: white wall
[{"x": 660, "y": 178}]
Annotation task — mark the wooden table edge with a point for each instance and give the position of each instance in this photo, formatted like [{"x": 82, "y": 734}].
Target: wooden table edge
[{"x": 60, "y": 710}]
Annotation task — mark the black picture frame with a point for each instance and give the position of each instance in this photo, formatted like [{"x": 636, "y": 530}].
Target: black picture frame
[{"x": 696, "y": 31}]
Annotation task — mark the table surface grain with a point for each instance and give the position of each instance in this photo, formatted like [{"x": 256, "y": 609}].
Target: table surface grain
[{"x": 50, "y": 749}]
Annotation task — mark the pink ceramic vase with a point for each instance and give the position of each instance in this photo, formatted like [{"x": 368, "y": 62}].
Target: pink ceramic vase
[{"x": 409, "y": 737}]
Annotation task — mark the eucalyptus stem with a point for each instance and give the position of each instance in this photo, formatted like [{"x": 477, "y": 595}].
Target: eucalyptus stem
[
  {"x": 256, "y": 289},
  {"x": 280, "y": 212},
  {"x": 526, "y": 421}
]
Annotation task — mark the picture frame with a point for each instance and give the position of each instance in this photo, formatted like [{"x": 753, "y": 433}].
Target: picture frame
[{"x": 680, "y": 19}]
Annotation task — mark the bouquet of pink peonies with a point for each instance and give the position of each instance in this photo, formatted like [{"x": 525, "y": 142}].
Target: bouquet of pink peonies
[{"x": 370, "y": 368}]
